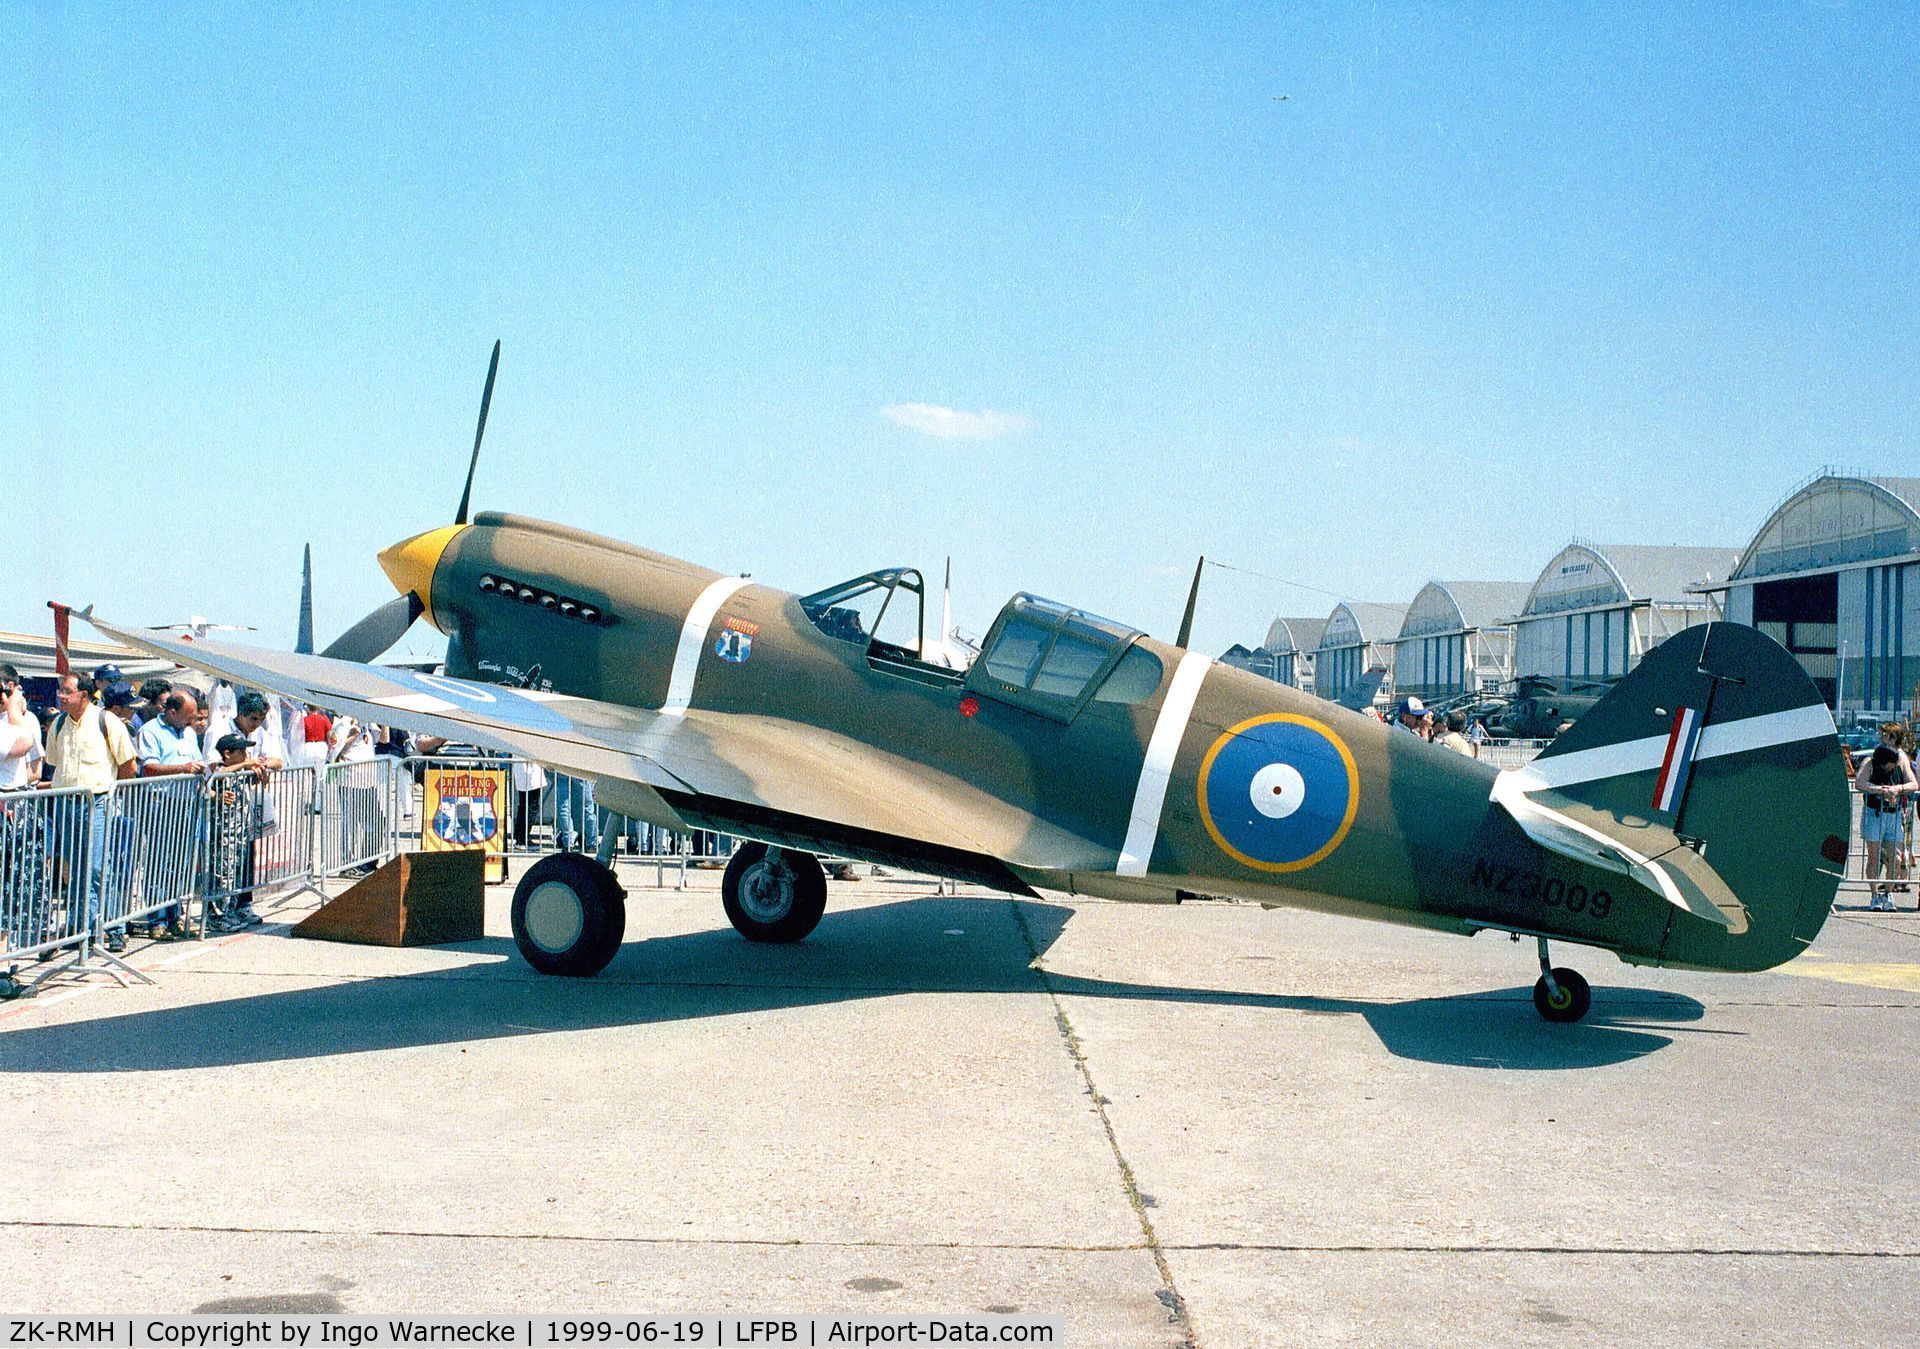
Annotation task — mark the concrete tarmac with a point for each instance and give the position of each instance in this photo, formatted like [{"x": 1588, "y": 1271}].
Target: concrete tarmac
[{"x": 1207, "y": 1124}]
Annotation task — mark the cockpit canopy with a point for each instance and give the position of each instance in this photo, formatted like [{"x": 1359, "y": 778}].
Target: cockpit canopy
[{"x": 1051, "y": 659}]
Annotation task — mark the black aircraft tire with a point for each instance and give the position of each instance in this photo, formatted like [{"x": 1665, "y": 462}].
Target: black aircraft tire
[
  {"x": 569, "y": 914},
  {"x": 1575, "y": 997},
  {"x": 773, "y": 901}
]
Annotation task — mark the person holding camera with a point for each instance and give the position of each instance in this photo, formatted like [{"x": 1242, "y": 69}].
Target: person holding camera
[
  {"x": 20, "y": 748},
  {"x": 1887, "y": 784}
]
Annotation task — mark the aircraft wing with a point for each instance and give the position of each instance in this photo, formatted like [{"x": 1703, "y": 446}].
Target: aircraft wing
[{"x": 768, "y": 763}]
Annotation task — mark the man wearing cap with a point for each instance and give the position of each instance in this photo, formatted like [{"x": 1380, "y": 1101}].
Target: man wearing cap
[
  {"x": 240, "y": 810},
  {"x": 1413, "y": 717},
  {"x": 251, "y": 718},
  {"x": 118, "y": 698},
  {"x": 89, "y": 750},
  {"x": 169, "y": 747}
]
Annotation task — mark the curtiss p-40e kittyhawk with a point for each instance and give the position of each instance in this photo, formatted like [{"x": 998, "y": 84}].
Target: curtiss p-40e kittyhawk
[{"x": 1695, "y": 817}]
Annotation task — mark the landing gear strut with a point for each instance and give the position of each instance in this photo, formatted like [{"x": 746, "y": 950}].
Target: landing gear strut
[
  {"x": 1560, "y": 995},
  {"x": 773, "y": 894}
]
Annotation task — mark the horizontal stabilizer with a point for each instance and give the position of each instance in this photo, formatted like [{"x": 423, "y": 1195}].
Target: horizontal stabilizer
[{"x": 1549, "y": 820}]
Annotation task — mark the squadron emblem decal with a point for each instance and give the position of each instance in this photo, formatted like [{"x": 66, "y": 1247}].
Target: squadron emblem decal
[
  {"x": 1278, "y": 792},
  {"x": 735, "y": 642},
  {"x": 467, "y": 813}
]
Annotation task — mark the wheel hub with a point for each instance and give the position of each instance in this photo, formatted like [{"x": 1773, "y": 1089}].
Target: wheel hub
[
  {"x": 555, "y": 917},
  {"x": 767, "y": 891}
]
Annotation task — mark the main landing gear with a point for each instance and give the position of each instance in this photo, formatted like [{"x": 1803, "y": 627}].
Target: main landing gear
[
  {"x": 1560, "y": 995},
  {"x": 773, "y": 894},
  {"x": 569, "y": 914}
]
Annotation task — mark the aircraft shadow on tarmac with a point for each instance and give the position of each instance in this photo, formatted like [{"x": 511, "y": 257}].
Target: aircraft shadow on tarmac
[{"x": 903, "y": 947}]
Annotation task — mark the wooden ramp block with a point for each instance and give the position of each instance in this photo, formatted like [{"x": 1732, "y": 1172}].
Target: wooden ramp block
[{"x": 417, "y": 899}]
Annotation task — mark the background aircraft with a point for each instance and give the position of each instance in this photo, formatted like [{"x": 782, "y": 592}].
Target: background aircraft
[{"x": 1540, "y": 707}]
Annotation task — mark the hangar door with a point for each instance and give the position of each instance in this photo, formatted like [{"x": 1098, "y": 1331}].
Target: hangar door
[{"x": 1803, "y": 615}]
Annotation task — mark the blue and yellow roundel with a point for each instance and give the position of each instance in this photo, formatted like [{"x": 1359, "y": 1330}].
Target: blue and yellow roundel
[{"x": 1278, "y": 792}]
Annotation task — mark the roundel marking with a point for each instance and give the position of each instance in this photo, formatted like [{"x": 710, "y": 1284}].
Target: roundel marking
[{"x": 1278, "y": 792}]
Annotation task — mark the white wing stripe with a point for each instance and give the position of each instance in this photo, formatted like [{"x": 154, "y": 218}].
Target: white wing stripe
[
  {"x": 416, "y": 702},
  {"x": 693, "y": 642},
  {"x": 1150, "y": 796}
]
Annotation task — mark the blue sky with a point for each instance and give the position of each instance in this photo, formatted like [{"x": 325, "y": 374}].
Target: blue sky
[{"x": 1355, "y": 296}]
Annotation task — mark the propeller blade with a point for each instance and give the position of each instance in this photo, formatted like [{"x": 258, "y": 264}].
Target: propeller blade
[
  {"x": 486, "y": 400},
  {"x": 374, "y": 635}
]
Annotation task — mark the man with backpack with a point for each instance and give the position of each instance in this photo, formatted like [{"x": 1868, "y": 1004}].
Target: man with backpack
[{"x": 90, "y": 750}]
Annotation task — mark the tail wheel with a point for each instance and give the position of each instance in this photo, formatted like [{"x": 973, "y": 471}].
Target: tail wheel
[
  {"x": 1566, "y": 999},
  {"x": 773, "y": 894},
  {"x": 569, "y": 914}
]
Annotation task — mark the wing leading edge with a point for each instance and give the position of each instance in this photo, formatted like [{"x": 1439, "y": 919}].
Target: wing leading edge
[{"x": 762, "y": 763}]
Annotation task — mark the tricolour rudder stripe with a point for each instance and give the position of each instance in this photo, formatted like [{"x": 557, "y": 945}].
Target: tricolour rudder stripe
[{"x": 1677, "y": 762}]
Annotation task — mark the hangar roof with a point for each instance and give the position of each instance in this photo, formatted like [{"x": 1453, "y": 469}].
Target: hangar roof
[
  {"x": 1295, "y": 634},
  {"x": 1600, "y": 575},
  {"x": 1832, "y": 521},
  {"x": 1355, "y": 623},
  {"x": 1456, "y": 606}
]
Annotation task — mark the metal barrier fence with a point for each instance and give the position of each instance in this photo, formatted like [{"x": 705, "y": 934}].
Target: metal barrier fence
[
  {"x": 77, "y": 869},
  {"x": 1510, "y": 753},
  {"x": 154, "y": 831},
  {"x": 356, "y": 801},
  {"x": 261, "y": 836},
  {"x": 49, "y": 875}
]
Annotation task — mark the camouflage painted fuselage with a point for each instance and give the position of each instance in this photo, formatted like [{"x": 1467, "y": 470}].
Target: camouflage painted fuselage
[{"x": 1270, "y": 795}]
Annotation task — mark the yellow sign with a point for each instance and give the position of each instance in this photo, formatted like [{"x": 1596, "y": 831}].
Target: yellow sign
[{"x": 466, "y": 811}]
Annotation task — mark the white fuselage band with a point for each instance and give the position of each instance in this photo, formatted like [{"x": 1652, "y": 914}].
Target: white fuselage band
[
  {"x": 1143, "y": 827},
  {"x": 693, "y": 641}
]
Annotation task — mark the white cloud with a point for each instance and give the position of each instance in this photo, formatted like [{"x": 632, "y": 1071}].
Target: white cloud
[{"x": 930, "y": 419}]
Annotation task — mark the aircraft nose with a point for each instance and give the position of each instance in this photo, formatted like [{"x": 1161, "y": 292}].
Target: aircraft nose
[{"x": 410, "y": 564}]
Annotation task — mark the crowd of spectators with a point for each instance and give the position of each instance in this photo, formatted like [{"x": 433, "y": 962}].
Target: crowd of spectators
[
  {"x": 100, "y": 730},
  {"x": 220, "y": 747},
  {"x": 1449, "y": 730}
]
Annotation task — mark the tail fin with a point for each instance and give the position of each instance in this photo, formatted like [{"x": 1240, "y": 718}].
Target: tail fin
[
  {"x": 1365, "y": 689},
  {"x": 1711, "y": 775},
  {"x": 303, "y": 639}
]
